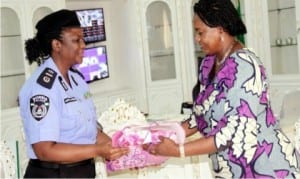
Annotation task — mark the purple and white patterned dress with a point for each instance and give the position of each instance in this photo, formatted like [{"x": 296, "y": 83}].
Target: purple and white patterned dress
[{"x": 234, "y": 108}]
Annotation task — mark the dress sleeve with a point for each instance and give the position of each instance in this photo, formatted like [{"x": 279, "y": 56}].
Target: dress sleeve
[
  {"x": 42, "y": 111},
  {"x": 243, "y": 82}
]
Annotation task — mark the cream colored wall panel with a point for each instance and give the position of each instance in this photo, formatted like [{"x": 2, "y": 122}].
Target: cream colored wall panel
[
  {"x": 128, "y": 97},
  {"x": 286, "y": 3},
  {"x": 101, "y": 104},
  {"x": 165, "y": 100},
  {"x": 105, "y": 100},
  {"x": 10, "y": 85},
  {"x": 9, "y": 19},
  {"x": 12, "y": 59}
]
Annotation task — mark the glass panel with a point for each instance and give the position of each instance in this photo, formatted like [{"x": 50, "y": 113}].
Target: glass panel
[
  {"x": 12, "y": 61},
  {"x": 160, "y": 39},
  {"x": 283, "y": 36}
]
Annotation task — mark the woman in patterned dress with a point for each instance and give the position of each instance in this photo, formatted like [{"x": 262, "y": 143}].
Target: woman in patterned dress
[{"x": 232, "y": 109}]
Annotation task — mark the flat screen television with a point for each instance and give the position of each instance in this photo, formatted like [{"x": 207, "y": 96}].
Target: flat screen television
[
  {"x": 94, "y": 65},
  {"x": 92, "y": 22}
]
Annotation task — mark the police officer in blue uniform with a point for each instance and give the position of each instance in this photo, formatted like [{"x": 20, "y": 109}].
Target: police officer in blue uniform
[{"x": 59, "y": 117}]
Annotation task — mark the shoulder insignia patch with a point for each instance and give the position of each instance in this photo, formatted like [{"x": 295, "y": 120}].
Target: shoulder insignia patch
[
  {"x": 39, "y": 106},
  {"x": 47, "y": 78}
]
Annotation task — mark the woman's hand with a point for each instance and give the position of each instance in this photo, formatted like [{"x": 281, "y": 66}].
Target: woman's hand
[{"x": 166, "y": 147}]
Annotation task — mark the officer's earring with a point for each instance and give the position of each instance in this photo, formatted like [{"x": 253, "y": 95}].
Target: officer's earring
[
  {"x": 222, "y": 39},
  {"x": 221, "y": 34}
]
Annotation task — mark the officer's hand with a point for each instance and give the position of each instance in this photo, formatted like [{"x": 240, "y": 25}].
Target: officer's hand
[{"x": 111, "y": 153}]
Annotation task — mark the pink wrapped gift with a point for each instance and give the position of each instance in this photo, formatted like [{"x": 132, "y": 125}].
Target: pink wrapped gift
[{"x": 135, "y": 136}]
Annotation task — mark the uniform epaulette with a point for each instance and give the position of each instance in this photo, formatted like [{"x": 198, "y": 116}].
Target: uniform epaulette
[{"x": 47, "y": 78}]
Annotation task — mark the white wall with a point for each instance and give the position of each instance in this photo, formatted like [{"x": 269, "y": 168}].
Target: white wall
[{"x": 126, "y": 72}]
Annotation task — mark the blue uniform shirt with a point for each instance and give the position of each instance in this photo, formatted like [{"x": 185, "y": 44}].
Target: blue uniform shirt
[{"x": 52, "y": 110}]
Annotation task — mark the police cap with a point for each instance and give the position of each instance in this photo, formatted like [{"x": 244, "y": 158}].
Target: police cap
[{"x": 58, "y": 20}]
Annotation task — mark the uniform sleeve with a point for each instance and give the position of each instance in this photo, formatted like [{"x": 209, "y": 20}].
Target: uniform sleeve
[
  {"x": 244, "y": 85},
  {"x": 42, "y": 112}
]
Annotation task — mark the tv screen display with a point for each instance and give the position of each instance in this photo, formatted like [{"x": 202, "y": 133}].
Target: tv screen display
[
  {"x": 92, "y": 22},
  {"x": 94, "y": 65}
]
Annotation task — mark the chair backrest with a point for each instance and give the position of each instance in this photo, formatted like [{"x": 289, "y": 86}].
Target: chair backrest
[
  {"x": 7, "y": 161},
  {"x": 290, "y": 108}
]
